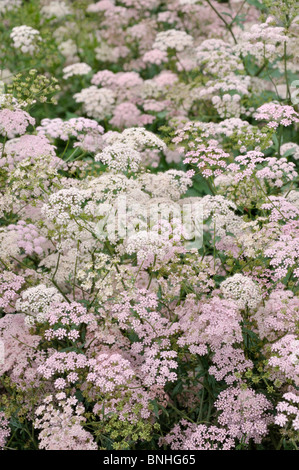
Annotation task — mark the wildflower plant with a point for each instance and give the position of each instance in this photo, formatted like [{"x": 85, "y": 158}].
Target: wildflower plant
[{"x": 149, "y": 240}]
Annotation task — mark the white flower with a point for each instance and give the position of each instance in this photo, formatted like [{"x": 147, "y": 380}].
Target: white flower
[
  {"x": 55, "y": 9},
  {"x": 120, "y": 157},
  {"x": 80, "y": 68},
  {"x": 8, "y": 5},
  {"x": 35, "y": 302},
  {"x": 25, "y": 38},
  {"x": 97, "y": 103},
  {"x": 242, "y": 290},
  {"x": 136, "y": 137}
]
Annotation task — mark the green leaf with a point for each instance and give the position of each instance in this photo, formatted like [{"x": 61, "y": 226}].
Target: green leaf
[
  {"x": 275, "y": 141},
  {"x": 15, "y": 424},
  {"x": 227, "y": 14},
  {"x": 178, "y": 388},
  {"x": 289, "y": 152},
  {"x": 156, "y": 408}
]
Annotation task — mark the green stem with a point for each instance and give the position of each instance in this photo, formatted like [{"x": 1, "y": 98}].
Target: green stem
[{"x": 288, "y": 95}]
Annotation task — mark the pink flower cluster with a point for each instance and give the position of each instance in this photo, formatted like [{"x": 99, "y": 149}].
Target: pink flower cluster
[
  {"x": 19, "y": 345},
  {"x": 208, "y": 324},
  {"x": 63, "y": 364},
  {"x": 32, "y": 146},
  {"x": 211, "y": 160},
  {"x": 190, "y": 436},
  {"x": 128, "y": 115},
  {"x": 80, "y": 128},
  {"x": 288, "y": 411},
  {"x": 284, "y": 252},
  {"x": 4, "y": 430},
  {"x": 108, "y": 372},
  {"x": 229, "y": 364},
  {"x": 65, "y": 321},
  {"x": 209, "y": 438},
  {"x": 279, "y": 315},
  {"x": 139, "y": 313},
  {"x": 276, "y": 114},
  {"x": 10, "y": 284},
  {"x": 284, "y": 360},
  {"x": 60, "y": 420}
]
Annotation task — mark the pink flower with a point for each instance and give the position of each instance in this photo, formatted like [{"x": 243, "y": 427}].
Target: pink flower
[{"x": 14, "y": 122}]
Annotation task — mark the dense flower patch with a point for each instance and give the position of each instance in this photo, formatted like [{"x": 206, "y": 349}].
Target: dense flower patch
[{"x": 149, "y": 225}]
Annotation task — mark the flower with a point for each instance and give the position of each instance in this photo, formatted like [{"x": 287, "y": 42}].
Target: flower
[
  {"x": 173, "y": 39},
  {"x": 14, "y": 122},
  {"x": 120, "y": 157},
  {"x": 244, "y": 413},
  {"x": 276, "y": 114},
  {"x": 243, "y": 290},
  {"x": 25, "y": 38},
  {"x": 79, "y": 68}
]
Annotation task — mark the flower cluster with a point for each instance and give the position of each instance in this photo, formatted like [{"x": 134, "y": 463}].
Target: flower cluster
[
  {"x": 211, "y": 160},
  {"x": 14, "y": 122},
  {"x": 36, "y": 301},
  {"x": 173, "y": 39},
  {"x": 87, "y": 132},
  {"x": 275, "y": 114},
  {"x": 97, "y": 103},
  {"x": 76, "y": 70},
  {"x": 244, "y": 413},
  {"x": 285, "y": 358},
  {"x": 288, "y": 411},
  {"x": 149, "y": 238},
  {"x": 242, "y": 290},
  {"x": 4, "y": 430},
  {"x": 209, "y": 325},
  {"x": 64, "y": 321},
  {"x": 27, "y": 238},
  {"x": 25, "y": 38},
  {"x": 120, "y": 158},
  {"x": 189, "y": 436},
  {"x": 60, "y": 420},
  {"x": 10, "y": 284}
]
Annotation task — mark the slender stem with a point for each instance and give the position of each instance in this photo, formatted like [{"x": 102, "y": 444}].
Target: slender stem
[
  {"x": 288, "y": 95},
  {"x": 3, "y": 145},
  {"x": 57, "y": 264},
  {"x": 75, "y": 270},
  {"x": 59, "y": 289},
  {"x": 4, "y": 264},
  {"x": 261, "y": 68},
  {"x": 228, "y": 25},
  {"x": 180, "y": 412},
  {"x": 211, "y": 188},
  {"x": 271, "y": 202},
  {"x": 66, "y": 147}
]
